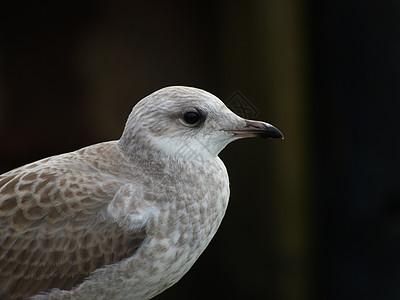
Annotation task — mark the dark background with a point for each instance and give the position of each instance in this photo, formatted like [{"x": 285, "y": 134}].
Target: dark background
[{"x": 316, "y": 216}]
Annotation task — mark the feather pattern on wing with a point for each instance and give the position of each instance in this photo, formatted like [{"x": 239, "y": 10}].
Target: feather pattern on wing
[{"x": 55, "y": 229}]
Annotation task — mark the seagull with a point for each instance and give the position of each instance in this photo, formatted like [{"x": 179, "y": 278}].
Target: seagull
[{"x": 124, "y": 219}]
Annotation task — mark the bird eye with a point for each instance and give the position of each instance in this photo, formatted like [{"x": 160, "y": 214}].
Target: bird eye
[{"x": 191, "y": 117}]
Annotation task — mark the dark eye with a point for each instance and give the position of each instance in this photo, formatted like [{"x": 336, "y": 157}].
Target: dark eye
[{"x": 191, "y": 117}]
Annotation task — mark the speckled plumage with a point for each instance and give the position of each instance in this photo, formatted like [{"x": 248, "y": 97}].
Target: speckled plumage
[{"x": 123, "y": 219}]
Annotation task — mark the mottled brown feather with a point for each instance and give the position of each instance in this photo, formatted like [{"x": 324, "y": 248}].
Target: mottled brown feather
[{"x": 54, "y": 231}]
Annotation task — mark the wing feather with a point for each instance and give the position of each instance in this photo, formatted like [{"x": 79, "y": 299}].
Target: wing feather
[{"x": 54, "y": 231}]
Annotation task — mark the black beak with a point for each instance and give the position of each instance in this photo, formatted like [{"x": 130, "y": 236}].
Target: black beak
[{"x": 257, "y": 129}]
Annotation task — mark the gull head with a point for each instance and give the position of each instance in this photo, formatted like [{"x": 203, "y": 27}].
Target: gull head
[{"x": 187, "y": 123}]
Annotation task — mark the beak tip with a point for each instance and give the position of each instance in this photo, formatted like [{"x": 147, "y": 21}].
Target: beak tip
[{"x": 273, "y": 132}]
